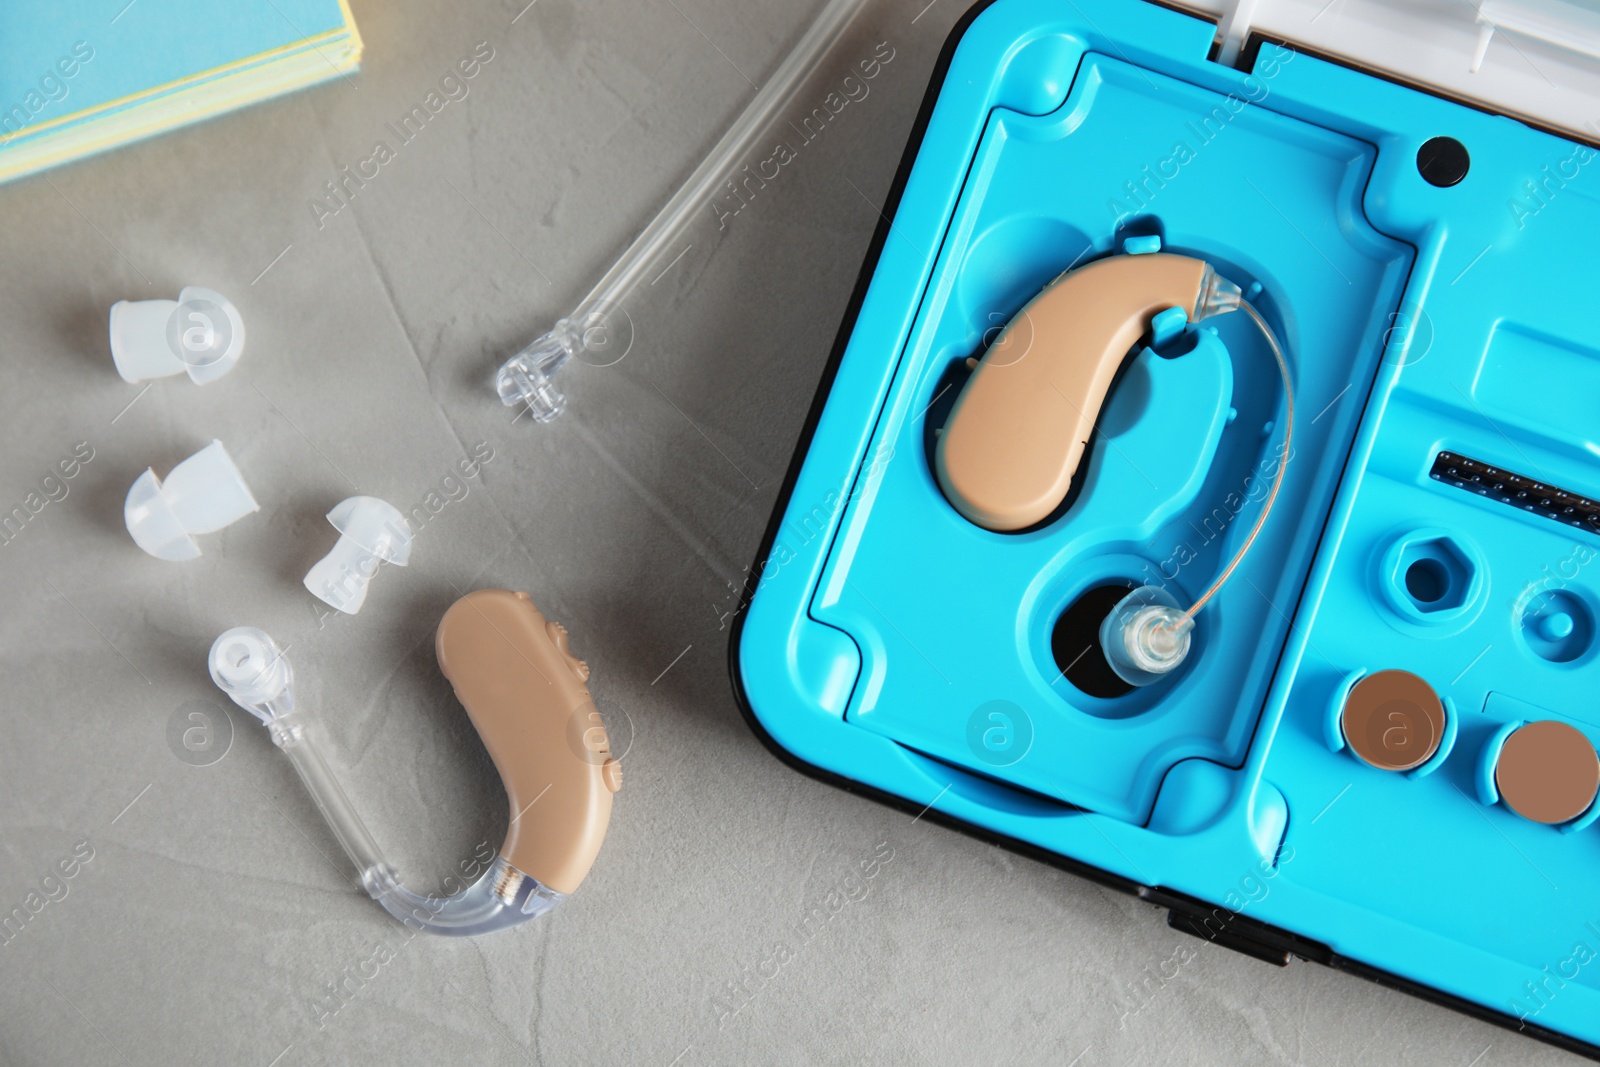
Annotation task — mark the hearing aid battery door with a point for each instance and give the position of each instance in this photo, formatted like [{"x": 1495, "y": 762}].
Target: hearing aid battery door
[{"x": 1019, "y": 428}]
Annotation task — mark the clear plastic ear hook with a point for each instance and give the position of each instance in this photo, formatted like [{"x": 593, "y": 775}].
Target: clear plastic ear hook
[
  {"x": 525, "y": 378},
  {"x": 250, "y": 668},
  {"x": 1147, "y": 636}
]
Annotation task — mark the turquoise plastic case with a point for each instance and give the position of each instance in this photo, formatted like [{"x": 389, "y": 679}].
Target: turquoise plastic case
[{"x": 892, "y": 646}]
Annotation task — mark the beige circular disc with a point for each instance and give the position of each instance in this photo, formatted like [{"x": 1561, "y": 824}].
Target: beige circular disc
[
  {"x": 1548, "y": 772},
  {"x": 1393, "y": 720}
]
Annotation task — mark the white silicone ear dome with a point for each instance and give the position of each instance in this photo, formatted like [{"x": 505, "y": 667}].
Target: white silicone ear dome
[
  {"x": 202, "y": 494},
  {"x": 371, "y": 531},
  {"x": 200, "y": 334}
]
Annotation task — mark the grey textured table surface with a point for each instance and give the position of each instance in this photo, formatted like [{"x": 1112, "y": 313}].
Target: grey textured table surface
[{"x": 215, "y": 920}]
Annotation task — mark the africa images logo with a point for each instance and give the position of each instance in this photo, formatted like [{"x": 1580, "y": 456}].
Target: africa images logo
[{"x": 999, "y": 733}]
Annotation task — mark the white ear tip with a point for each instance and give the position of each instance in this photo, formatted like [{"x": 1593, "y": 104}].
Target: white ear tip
[
  {"x": 371, "y": 531},
  {"x": 209, "y": 333},
  {"x": 202, "y": 494},
  {"x": 376, "y": 525},
  {"x": 340, "y": 581},
  {"x": 200, "y": 334},
  {"x": 138, "y": 339},
  {"x": 339, "y": 515},
  {"x": 152, "y": 524}
]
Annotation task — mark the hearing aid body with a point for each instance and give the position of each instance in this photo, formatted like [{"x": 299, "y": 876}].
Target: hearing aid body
[
  {"x": 524, "y": 691},
  {"x": 1018, "y": 431}
]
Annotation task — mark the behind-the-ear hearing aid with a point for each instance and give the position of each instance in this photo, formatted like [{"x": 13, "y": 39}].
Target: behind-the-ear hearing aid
[
  {"x": 1019, "y": 429},
  {"x": 525, "y": 693}
]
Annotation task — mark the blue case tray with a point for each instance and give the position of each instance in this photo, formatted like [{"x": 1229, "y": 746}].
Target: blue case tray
[{"x": 893, "y": 646}]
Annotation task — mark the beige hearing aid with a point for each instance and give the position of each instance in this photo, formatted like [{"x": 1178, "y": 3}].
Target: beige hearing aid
[
  {"x": 524, "y": 692},
  {"x": 1018, "y": 430}
]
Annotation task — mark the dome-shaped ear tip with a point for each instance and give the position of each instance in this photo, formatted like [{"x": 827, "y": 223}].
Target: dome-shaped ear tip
[
  {"x": 371, "y": 532},
  {"x": 202, "y": 494},
  {"x": 339, "y": 515},
  {"x": 151, "y": 523},
  {"x": 374, "y": 524},
  {"x": 201, "y": 334}
]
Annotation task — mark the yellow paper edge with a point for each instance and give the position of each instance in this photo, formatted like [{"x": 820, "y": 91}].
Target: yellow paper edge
[
  {"x": 30, "y": 141},
  {"x": 169, "y": 112}
]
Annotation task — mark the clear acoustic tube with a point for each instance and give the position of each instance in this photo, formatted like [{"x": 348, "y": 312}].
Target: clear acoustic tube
[
  {"x": 248, "y": 666},
  {"x": 1147, "y": 635},
  {"x": 298, "y": 743},
  {"x": 525, "y": 377},
  {"x": 1283, "y": 460}
]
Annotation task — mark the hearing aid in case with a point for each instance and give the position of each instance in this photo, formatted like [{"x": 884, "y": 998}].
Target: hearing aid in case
[
  {"x": 938, "y": 562},
  {"x": 1019, "y": 429},
  {"x": 525, "y": 693},
  {"x": 1013, "y": 442}
]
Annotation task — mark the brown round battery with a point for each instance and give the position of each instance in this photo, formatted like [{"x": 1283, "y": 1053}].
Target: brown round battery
[
  {"x": 1393, "y": 720},
  {"x": 1548, "y": 772}
]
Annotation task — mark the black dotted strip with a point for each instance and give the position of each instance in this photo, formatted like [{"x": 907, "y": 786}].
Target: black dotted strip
[{"x": 1540, "y": 499}]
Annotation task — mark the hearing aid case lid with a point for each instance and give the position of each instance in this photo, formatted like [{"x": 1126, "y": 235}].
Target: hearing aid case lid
[{"x": 896, "y": 647}]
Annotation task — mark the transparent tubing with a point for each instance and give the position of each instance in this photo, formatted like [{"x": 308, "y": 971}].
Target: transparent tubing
[
  {"x": 525, "y": 377},
  {"x": 1146, "y": 636},
  {"x": 1283, "y": 462},
  {"x": 248, "y": 666}
]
